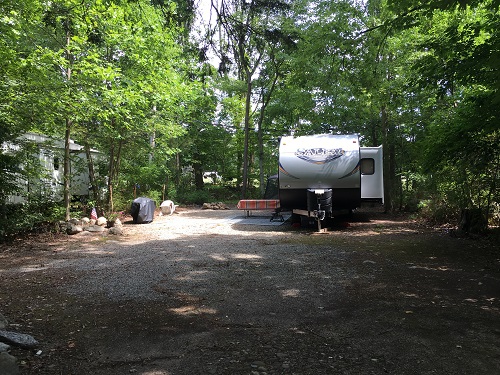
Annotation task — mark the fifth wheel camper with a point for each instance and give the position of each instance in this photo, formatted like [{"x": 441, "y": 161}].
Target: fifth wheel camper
[{"x": 323, "y": 173}]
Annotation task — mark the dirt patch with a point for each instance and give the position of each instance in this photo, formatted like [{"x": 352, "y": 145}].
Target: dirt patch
[{"x": 196, "y": 293}]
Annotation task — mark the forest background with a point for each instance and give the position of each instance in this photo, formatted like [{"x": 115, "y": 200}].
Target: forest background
[{"x": 169, "y": 91}]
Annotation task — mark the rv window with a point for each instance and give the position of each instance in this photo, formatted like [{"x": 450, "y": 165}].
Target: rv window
[
  {"x": 367, "y": 166},
  {"x": 56, "y": 163}
]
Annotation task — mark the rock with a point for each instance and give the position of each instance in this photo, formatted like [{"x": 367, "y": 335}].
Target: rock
[
  {"x": 18, "y": 339},
  {"x": 214, "y": 206},
  {"x": 115, "y": 223},
  {"x": 116, "y": 230},
  {"x": 85, "y": 220},
  {"x": 101, "y": 221},
  {"x": 4, "y": 347},
  {"x": 61, "y": 226},
  {"x": 86, "y": 233},
  {"x": 259, "y": 365},
  {"x": 94, "y": 228},
  {"x": 75, "y": 222},
  {"x": 8, "y": 364},
  {"x": 3, "y": 322},
  {"x": 73, "y": 228}
]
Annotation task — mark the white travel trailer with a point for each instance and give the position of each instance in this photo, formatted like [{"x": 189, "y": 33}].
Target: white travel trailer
[
  {"x": 50, "y": 184},
  {"x": 324, "y": 173}
]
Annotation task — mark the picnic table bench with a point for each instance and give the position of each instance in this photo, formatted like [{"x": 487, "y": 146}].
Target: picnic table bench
[{"x": 250, "y": 205}]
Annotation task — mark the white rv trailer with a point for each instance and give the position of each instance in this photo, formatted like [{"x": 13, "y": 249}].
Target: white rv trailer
[
  {"x": 323, "y": 173},
  {"x": 50, "y": 155}
]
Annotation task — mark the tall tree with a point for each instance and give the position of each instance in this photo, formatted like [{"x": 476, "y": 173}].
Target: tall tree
[
  {"x": 455, "y": 63},
  {"x": 16, "y": 28},
  {"x": 141, "y": 95},
  {"x": 244, "y": 28}
]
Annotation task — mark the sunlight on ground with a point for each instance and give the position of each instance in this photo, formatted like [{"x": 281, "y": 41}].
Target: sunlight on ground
[
  {"x": 223, "y": 258},
  {"x": 440, "y": 268},
  {"x": 191, "y": 275},
  {"x": 246, "y": 256},
  {"x": 294, "y": 293},
  {"x": 218, "y": 257},
  {"x": 40, "y": 267},
  {"x": 191, "y": 310}
]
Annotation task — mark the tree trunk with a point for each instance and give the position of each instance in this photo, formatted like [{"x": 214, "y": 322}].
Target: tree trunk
[
  {"x": 109, "y": 202},
  {"x": 178, "y": 170},
  {"x": 247, "y": 134},
  {"x": 113, "y": 171},
  {"x": 260, "y": 137},
  {"x": 260, "y": 133},
  {"x": 393, "y": 182},
  {"x": 385, "y": 142},
  {"x": 239, "y": 164},
  {"x": 67, "y": 170},
  {"x": 473, "y": 221},
  {"x": 110, "y": 205},
  {"x": 118, "y": 161},
  {"x": 67, "y": 166},
  {"x": 198, "y": 174},
  {"x": 92, "y": 177}
]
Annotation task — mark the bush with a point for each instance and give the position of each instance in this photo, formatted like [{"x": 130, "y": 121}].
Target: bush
[
  {"x": 28, "y": 217},
  {"x": 438, "y": 212},
  {"x": 171, "y": 193},
  {"x": 195, "y": 197},
  {"x": 223, "y": 193},
  {"x": 122, "y": 201},
  {"x": 154, "y": 195},
  {"x": 494, "y": 216}
]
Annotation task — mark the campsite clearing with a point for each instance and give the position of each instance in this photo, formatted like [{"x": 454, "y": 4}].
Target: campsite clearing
[{"x": 199, "y": 292}]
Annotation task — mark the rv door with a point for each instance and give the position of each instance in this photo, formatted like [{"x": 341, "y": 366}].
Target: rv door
[{"x": 372, "y": 174}]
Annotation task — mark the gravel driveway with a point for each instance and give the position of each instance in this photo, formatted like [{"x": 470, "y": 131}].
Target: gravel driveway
[{"x": 199, "y": 293}]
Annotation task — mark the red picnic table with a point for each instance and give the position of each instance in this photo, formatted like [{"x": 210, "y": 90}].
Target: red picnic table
[{"x": 260, "y": 204}]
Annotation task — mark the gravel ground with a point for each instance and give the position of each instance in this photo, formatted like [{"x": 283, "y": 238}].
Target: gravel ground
[{"x": 198, "y": 293}]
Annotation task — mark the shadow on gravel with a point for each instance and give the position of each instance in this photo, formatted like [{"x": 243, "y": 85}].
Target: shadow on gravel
[{"x": 378, "y": 296}]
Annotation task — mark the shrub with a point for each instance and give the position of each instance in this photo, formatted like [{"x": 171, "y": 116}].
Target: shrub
[
  {"x": 223, "y": 193},
  {"x": 28, "y": 217},
  {"x": 494, "y": 216},
  {"x": 438, "y": 212},
  {"x": 195, "y": 197}
]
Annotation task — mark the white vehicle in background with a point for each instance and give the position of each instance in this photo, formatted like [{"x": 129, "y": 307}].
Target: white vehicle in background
[{"x": 49, "y": 183}]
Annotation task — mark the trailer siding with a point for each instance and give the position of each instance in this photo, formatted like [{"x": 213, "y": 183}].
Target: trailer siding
[
  {"x": 323, "y": 161},
  {"x": 372, "y": 182}
]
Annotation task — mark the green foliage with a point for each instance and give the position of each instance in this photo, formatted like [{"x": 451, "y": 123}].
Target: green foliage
[
  {"x": 494, "y": 218},
  {"x": 194, "y": 197},
  {"x": 419, "y": 77},
  {"x": 437, "y": 211},
  {"x": 223, "y": 193},
  {"x": 123, "y": 201},
  {"x": 461, "y": 147},
  {"x": 156, "y": 196},
  {"x": 24, "y": 218}
]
